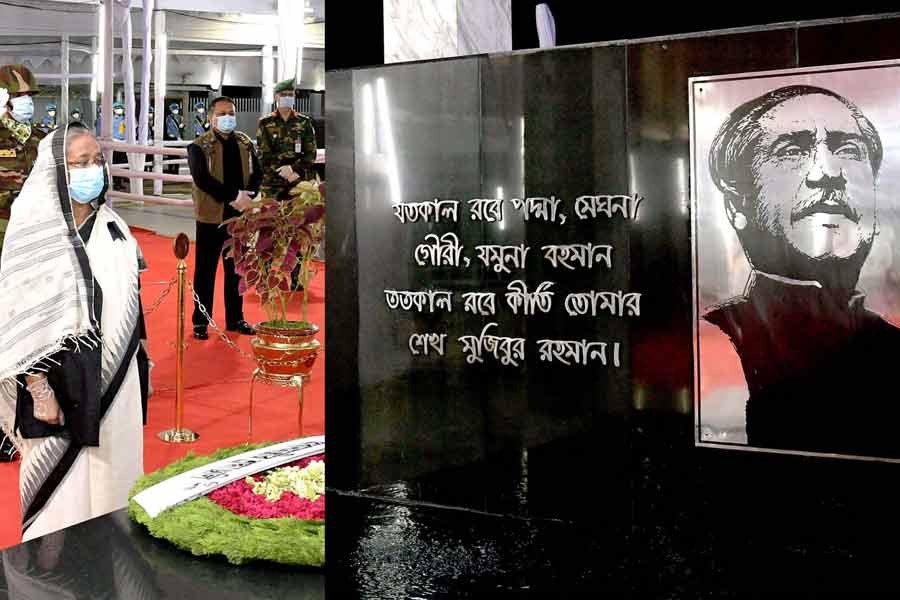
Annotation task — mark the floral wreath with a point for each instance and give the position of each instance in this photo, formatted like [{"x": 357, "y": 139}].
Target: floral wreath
[{"x": 276, "y": 516}]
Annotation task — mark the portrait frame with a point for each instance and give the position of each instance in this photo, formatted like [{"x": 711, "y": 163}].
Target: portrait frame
[{"x": 711, "y": 100}]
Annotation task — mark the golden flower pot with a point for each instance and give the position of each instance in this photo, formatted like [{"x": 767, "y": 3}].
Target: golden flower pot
[{"x": 283, "y": 352}]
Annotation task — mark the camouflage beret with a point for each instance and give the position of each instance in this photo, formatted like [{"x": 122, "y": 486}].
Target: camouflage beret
[{"x": 18, "y": 79}]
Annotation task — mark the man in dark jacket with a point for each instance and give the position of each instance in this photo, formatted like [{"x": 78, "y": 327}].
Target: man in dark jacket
[{"x": 226, "y": 172}]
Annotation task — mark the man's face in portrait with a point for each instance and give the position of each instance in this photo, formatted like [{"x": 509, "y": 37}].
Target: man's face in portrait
[{"x": 814, "y": 180}]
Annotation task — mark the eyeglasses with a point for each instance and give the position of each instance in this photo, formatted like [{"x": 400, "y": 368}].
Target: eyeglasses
[{"x": 88, "y": 162}]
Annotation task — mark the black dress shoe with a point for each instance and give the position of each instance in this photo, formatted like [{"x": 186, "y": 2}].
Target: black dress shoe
[
  {"x": 200, "y": 333},
  {"x": 243, "y": 327}
]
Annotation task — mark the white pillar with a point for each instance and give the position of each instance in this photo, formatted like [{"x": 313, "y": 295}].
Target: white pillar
[
  {"x": 290, "y": 22},
  {"x": 426, "y": 29},
  {"x": 159, "y": 91},
  {"x": 268, "y": 80},
  {"x": 135, "y": 161},
  {"x": 94, "y": 91},
  {"x": 145, "y": 72},
  {"x": 62, "y": 112},
  {"x": 222, "y": 75},
  {"x": 107, "y": 51}
]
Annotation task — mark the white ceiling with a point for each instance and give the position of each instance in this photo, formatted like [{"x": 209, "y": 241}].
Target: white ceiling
[{"x": 216, "y": 21}]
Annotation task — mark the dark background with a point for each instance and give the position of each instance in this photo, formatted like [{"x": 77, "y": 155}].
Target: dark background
[
  {"x": 453, "y": 482},
  {"x": 355, "y": 38}
]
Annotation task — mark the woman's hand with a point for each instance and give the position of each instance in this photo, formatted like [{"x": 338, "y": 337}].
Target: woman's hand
[{"x": 46, "y": 407}]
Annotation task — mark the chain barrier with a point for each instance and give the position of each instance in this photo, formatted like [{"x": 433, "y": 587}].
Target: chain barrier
[
  {"x": 224, "y": 336},
  {"x": 230, "y": 343},
  {"x": 159, "y": 300}
]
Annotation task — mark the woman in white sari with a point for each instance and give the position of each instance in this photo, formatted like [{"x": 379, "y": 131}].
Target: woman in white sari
[{"x": 73, "y": 368}]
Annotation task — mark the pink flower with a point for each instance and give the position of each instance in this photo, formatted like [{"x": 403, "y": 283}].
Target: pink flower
[{"x": 238, "y": 497}]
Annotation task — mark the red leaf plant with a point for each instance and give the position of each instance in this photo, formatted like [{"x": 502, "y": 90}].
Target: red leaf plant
[{"x": 274, "y": 239}]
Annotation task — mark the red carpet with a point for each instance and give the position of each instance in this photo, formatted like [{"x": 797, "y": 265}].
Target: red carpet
[{"x": 216, "y": 381}]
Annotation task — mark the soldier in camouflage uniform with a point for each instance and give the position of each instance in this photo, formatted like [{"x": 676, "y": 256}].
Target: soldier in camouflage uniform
[
  {"x": 18, "y": 151},
  {"x": 287, "y": 144},
  {"x": 18, "y": 138}
]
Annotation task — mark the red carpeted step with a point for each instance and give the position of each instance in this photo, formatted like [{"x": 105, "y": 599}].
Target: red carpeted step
[{"x": 216, "y": 381}]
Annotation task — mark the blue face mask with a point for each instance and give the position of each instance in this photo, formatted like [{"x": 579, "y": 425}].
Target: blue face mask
[
  {"x": 22, "y": 108},
  {"x": 86, "y": 183},
  {"x": 226, "y": 123},
  {"x": 285, "y": 102}
]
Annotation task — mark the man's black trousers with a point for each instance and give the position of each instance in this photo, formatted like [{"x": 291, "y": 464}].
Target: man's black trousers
[{"x": 210, "y": 239}]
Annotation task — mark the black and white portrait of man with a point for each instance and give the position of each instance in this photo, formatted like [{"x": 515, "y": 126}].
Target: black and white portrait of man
[{"x": 797, "y": 355}]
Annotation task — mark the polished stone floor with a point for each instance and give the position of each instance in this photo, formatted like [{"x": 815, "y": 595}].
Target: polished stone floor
[
  {"x": 111, "y": 557},
  {"x": 167, "y": 221},
  {"x": 656, "y": 519}
]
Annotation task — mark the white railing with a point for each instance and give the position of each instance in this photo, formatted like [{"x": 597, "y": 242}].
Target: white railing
[
  {"x": 117, "y": 171},
  {"x": 149, "y": 199},
  {"x": 175, "y": 149},
  {"x": 169, "y": 148},
  {"x": 138, "y": 149}
]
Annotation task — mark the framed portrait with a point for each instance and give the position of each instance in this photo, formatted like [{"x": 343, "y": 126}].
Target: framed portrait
[{"x": 795, "y": 187}]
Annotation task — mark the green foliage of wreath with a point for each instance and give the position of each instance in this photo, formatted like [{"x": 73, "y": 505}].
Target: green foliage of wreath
[{"x": 202, "y": 527}]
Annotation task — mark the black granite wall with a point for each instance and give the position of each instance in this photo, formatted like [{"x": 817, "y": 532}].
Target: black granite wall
[{"x": 608, "y": 455}]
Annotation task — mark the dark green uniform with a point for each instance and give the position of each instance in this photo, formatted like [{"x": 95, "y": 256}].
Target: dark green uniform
[
  {"x": 282, "y": 142},
  {"x": 18, "y": 151}
]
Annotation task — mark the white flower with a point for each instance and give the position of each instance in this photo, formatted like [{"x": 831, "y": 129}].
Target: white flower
[{"x": 308, "y": 482}]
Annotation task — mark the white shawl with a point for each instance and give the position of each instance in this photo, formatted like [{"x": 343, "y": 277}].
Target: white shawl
[
  {"x": 47, "y": 303},
  {"x": 44, "y": 298}
]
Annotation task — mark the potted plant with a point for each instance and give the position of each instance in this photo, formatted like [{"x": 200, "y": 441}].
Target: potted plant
[{"x": 273, "y": 244}]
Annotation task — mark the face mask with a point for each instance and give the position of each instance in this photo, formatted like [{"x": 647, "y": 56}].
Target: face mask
[
  {"x": 175, "y": 112},
  {"x": 52, "y": 113},
  {"x": 226, "y": 123},
  {"x": 286, "y": 102},
  {"x": 120, "y": 112},
  {"x": 200, "y": 111},
  {"x": 86, "y": 183},
  {"x": 76, "y": 116},
  {"x": 22, "y": 108}
]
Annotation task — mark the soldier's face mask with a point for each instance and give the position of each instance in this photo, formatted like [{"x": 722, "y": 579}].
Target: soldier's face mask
[
  {"x": 22, "y": 108},
  {"x": 52, "y": 113},
  {"x": 85, "y": 183},
  {"x": 285, "y": 102},
  {"x": 120, "y": 112}
]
